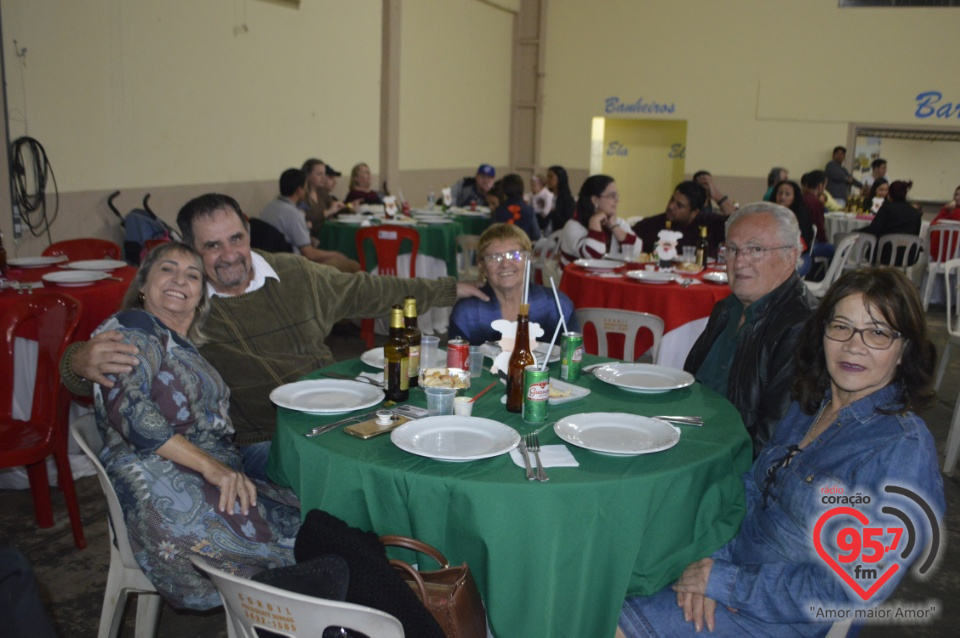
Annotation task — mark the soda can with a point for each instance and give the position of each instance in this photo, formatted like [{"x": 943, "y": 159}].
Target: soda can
[
  {"x": 458, "y": 353},
  {"x": 536, "y": 393},
  {"x": 571, "y": 356}
]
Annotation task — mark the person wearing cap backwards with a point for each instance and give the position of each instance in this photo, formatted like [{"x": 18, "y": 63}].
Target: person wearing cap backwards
[{"x": 473, "y": 190}]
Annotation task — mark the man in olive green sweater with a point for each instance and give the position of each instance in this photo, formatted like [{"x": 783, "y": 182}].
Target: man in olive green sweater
[{"x": 270, "y": 315}]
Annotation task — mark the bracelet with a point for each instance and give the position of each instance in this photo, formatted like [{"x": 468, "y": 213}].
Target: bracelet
[{"x": 722, "y": 199}]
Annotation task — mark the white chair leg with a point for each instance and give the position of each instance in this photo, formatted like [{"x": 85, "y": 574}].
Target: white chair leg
[
  {"x": 114, "y": 599},
  {"x": 953, "y": 442},
  {"x": 928, "y": 290},
  {"x": 148, "y": 614},
  {"x": 944, "y": 359}
]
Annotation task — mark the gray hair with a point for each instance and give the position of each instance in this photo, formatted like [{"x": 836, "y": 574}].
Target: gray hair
[
  {"x": 133, "y": 298},
  {"x": 788, "y": 230}
]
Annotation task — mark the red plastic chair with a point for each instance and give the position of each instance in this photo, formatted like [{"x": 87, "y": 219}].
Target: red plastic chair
[
  {"x": 386, "y": 244},
  {"x": 86, "y": 248},
  {"x": 30, "y": 442}
]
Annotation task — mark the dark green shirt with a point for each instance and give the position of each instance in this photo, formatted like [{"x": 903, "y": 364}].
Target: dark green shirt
[{"x": 715, "y": 370}]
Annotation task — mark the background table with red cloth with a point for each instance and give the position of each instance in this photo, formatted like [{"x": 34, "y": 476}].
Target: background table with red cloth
[
  {"x": 684, "y": 309},
  {"x": 99, "y": 300}
]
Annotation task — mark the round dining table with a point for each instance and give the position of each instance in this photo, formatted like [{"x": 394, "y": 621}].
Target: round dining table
[
  {"x": 684, "y": 307},
  {"x": 554, "y": 558},
  {"x": 437, "y": 241}
]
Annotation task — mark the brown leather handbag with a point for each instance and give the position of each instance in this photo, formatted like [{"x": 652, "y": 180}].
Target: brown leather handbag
[{"x": 449, "y": 593}]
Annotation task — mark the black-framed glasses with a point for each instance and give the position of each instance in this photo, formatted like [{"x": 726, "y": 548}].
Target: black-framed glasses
[
  {"x": 772, "y": 471},
  {"x": 751, "y": 253},
  {"x": 514, "y": 255},
  {"x": 874, "y": 337}
]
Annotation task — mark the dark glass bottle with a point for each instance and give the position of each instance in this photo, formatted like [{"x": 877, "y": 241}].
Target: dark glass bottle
[
  {"x": 519, "y": 359},
  {"x": 396, "y": 359},
  {"x": 703, "y": 247},
  {"x": 412, "y": 332},
  {"x": 3, "y": 257}
]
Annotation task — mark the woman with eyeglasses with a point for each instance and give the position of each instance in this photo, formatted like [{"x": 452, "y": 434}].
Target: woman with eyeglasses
[
  {"x": 595, "y": 229},
  {"x": 864, "y": 365},
  {"x": 502, "y": 252}
]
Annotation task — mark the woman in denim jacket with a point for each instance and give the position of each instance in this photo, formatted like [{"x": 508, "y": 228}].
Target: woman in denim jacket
[{"x": 864, "y": 364}]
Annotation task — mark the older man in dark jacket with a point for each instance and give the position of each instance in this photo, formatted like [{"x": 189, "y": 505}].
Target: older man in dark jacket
[{"x": 747, "y": 350}]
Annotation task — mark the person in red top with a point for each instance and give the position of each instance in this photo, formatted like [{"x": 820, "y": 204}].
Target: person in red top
[
  {"x": 361, "y": 191},
  {"x": 596, "y": 229},
  {"x": 949, "y": 213}
]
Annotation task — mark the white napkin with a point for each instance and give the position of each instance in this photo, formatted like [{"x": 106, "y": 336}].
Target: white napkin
[
  {"x": 373, "y": 376},
  {"x": 550, "y": 456},
  {"x": 366, "y": 223}
]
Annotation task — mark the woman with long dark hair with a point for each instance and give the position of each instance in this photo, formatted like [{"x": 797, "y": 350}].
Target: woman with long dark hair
[
  {"x": 595, "y": 229},
  {"x": 564, "y": 205},
  {"x": 896, "y": 215}
]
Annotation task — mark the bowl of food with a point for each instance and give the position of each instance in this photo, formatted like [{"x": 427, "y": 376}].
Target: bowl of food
[{"x": 455, "y": 378}]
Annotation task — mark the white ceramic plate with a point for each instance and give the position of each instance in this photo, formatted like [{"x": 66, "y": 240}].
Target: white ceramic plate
[
  {"x": 434, "y": 220},
  {"x": 74, "y": 278},
  {"x": 350, "y": 219},
  {"x": 455, "y": 438},
  {"x": 97, "y": 264},
  {"x": 652, "y": 276},
  {"x": 373, "y": 358},
  {"x": 398, "y": 221},
  {"x": 617, "y": 433},
  {"x": 491, "y": 350},
  {"x": 576, "y": 392},
  {"x": 597, "y": 264},
  {"x": 716, "y": 277},
  {"x": 643, "y": 377},
  {"x": 326, "y": 396},
  {"x": 36, "y": 262}
]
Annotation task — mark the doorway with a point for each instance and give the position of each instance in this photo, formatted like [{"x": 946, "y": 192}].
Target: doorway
[{"x": 645, "y": 157}]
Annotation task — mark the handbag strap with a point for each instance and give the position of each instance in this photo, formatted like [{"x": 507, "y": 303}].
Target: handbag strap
[
  {"x": 401, "y": 566},
  {"x": 406, "y": 542}
]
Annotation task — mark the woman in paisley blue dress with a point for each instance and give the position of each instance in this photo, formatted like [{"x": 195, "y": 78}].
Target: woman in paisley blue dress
[{"x": 168, "y": 444}]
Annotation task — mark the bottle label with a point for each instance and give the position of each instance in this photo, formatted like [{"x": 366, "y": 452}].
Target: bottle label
[
  {"x": 414, "y": 361},
  {"x": 404, "y": 373}
]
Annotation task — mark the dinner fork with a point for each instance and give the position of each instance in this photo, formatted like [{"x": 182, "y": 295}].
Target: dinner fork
[{"x": 533, "y": 444}]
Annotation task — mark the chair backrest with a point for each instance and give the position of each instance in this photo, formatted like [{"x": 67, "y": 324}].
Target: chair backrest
[
  {"x": 843, "y": 252},
  {"x": 87, "y": 436},
  {"x": 900, "y": 249},
  {"x": 468, "y": 265},
  {"x": 85, "y": 248},
  {"x": 386, "y": 243},
  {"x": 942, "y": 242},
  {"x": 951, "y": 273},
  {"x": 249, "y": 604},
  {"x": 265, "y": 236},
  {"x": 863, "y": 250},
  {"x": 626, "y": 322},
  {"x": 55, "y": 316},
  {"x": 546, "y": 259}
]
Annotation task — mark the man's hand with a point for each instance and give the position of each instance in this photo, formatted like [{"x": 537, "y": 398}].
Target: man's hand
[
  {"x": 691, "y": 590},
  {"x": 467, "y": 289},
  {"x": 104, "y": 354}
]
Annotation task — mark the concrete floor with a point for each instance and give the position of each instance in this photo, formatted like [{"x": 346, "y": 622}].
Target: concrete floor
[{"x": 72, "y": 581}]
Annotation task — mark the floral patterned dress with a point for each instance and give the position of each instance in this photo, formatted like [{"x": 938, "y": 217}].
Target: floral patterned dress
[{"x": 171, "y": 512}]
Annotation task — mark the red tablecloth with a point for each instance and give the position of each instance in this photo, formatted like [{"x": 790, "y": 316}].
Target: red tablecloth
[
  {"x": 684, "y": 309},
  {"x": 99, "y": 299}
]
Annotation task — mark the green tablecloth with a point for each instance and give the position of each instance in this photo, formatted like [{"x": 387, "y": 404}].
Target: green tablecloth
[
  {"x": 436, "y": 240},
  {"x": 551, "y": 559},
  {"x": 473, "y": 224}
]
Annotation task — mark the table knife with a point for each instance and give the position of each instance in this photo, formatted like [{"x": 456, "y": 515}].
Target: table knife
[
  {"x": 320, "y": 429},
  {"x": 526, "y": 459}
]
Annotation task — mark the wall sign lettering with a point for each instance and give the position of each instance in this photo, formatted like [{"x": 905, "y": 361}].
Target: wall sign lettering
[
  {"x": 930, "y": 104},
  {"x": 614, "y": 105},
  {"x": 616, "y": 148}
]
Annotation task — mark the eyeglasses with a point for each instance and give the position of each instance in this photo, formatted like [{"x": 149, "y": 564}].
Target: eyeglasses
[
  {"x": 614, "y": 196},
  {"x": 515, "y": 255},
  {"x": 750, "y": 253},
  {"x": 875, "y": 338}
]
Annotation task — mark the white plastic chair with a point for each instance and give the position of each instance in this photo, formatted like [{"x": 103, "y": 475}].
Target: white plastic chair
[
  {"x": 863, "y": 251},
  {"x": 250, "y": 604},
  {"x": 948, "y": 236},
  {"x": 900, "y": 244},
  {"x": 951, "y": 270},
  {"x": 546, "y": 258},
  {"x": 125, "y": 576},
  {"x": 840, "y": 628},
  {"x": 468, "y": 268},
  {"x": 626, "y": 322},
  {"x": 844, "y": 249}
]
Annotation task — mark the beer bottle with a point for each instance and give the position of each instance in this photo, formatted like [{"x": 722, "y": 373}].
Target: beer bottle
[
  {"x": 396, "y": 359},
  {"x": 3, "y": 257},
  {"x": 520, "y": 358},
  {"x": 412, "y": 333},
  {"x": 703, "y": 247}
]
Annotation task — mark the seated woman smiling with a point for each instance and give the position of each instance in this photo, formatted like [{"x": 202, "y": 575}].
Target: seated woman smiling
[
  {"x": 168, "y": 444},
  {"x": 503, "y": 251},
  {"x": 864, "y": 364}
]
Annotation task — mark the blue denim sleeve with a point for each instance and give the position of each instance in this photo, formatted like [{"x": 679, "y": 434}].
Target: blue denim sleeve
[{"x": 787, "y": 592}]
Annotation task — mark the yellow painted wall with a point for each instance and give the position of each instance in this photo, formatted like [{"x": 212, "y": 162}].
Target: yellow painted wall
[
  {"x": 759, "y": 82},
  {"x": 455, "y": 74}
]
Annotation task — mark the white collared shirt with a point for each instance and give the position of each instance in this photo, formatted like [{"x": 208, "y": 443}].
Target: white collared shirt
[{"x": 261, "y": 270}]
